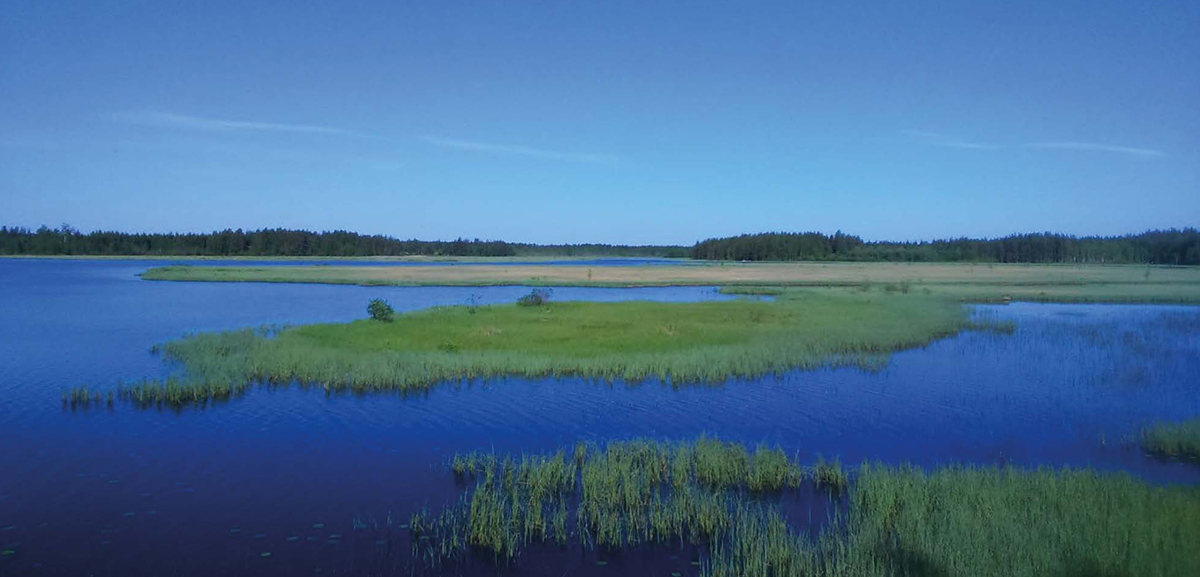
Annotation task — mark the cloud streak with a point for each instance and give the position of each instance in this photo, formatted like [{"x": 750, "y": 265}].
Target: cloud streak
[
  {"x": 174, "y": 121},
  {"x": 947, "y": 141},
  {"x": 1095, "y": 147},
  {"x": 159, "y": 119},
  {"x": 518, "y": 150}
]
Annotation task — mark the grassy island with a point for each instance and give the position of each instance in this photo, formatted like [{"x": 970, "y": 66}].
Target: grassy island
[
  {"x": 960, "y": 281},
  {"x": 724, "y": 502},
  {"x": 675, "y": 342}
]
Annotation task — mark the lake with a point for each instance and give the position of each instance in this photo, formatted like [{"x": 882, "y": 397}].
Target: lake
[{"x": 283, "y": 471}]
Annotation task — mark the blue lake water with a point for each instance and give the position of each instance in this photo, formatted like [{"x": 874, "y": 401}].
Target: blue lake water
[{"x": 203, "y": 492}]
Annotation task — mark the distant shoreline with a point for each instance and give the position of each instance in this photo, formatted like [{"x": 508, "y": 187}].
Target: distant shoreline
[
  {"x": 958, "y": 281},
  {"x": 408, "y": 258}
]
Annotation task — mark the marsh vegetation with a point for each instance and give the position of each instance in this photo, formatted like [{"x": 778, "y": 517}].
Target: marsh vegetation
[
  {"x": 676, "y": 343},
  {"x": 1173, "y": 440},
  {"x": 726, "y": 503}
]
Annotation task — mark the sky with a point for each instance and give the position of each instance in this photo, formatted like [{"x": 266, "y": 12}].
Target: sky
[{"x": 632, "y": 122}]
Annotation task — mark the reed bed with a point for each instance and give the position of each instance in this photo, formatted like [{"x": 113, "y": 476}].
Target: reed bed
[
  {"x": 676, "y": 343},
  {"x": 1003, "y": 521},
  {"x": 1173, "y": 440},
  {"x": 622, "y": 495},
  {"x": 710, "y": 495}
]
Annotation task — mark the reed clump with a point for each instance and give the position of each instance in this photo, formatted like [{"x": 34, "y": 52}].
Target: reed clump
[
  {"x": 1173, "y": 440},
  {"x": 625, "y": 494},
  {"x": 675, "y": 343},
  {"x": 830, "y": 474},
  {"x": 896, "y": 520}
]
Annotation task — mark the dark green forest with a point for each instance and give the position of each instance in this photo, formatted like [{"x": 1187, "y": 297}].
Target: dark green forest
[
  {"x": 1176, "y": 247},
  {"x": 645, "y": 251},
  {"x": 1180, "y": 247},
  {"x": 66, "y": 240}
]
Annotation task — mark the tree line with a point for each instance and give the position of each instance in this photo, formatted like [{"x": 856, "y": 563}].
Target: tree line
[
  {"x": 66, "y": 240},
  {"x": 590, "y": 249},
  {"x": 1172, "y": 246}
]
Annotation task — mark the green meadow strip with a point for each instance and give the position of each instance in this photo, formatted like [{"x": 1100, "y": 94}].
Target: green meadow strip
[
  {"x": 678, "y": 343},
  {"x": 720, "y": 498}
]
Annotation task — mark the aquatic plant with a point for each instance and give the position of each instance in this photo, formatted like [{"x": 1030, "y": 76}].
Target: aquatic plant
[
  {"x": 830, "y": 474},
  {"x": 1004, "y": 521},
  {"x": 897, "y": 521},
  {"x": 1173, "y": 440},
  {"x": 623, "y": 494}
]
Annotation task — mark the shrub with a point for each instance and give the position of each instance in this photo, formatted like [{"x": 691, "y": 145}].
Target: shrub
[
  {"x": 536, "y": 297},
  {"x": 380, "y": 310}
]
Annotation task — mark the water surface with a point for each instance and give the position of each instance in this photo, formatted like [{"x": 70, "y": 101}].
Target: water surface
[{"x": 202, "y": 492}]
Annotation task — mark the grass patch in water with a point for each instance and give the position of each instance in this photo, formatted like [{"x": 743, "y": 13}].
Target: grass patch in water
[
  {"x": 624, "y": 494},
  {"x": 900, "y": 521},
  {"x": 1173, "y": 440},
  {"x": 633, "y": 341},
  {"x": 752, "y": 290}
]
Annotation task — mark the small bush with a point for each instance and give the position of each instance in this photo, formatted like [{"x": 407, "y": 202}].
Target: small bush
[
  {"x": 380, "y": 310},
  {"x": 536, "y": 297}
]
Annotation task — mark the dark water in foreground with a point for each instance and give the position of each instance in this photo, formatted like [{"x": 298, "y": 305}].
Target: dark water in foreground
[{"x": 131, "y": 492}]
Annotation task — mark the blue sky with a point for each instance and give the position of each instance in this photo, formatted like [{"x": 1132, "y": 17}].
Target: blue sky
[{"x": 613, "y": 121}]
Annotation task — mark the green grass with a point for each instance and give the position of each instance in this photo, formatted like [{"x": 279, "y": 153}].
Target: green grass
[
  {"x": 753, "y": 290},
  {"x": 677, "y": 342},
  {"x": 1173, "y": 440},
  {"x": 1001, "y": 521},
  {"x": 968, "y": 521},
  {"x": 624, "y": 494}
]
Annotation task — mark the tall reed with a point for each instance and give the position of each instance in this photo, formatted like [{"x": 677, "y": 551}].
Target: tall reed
[
  {"x": 976, "y": 521},
  {"x": 1173, "y": 440}
]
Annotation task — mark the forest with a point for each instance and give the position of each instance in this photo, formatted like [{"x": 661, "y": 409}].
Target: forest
[
  {"x": 66, "y": 240},
  {"x": 1172, "y": 246}
]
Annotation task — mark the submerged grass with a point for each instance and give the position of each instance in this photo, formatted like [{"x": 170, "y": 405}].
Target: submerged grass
[
  {"x": 900, "y": 521},
  {"x": 1173, "y": 440},
  {"x": 678, "y": 343}
]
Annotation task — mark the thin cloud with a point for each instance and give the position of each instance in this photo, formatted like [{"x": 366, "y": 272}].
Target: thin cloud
[
  {"x": 948, "y": 141},
  {"x": 186, "y": 122},
  {"x": 518, "y": 150},
  {"x": 945, "y": 140},
  {"x": 1096, "y": 147}
]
